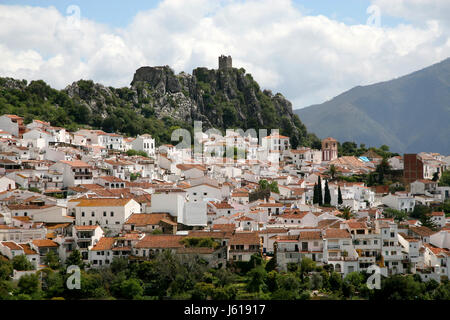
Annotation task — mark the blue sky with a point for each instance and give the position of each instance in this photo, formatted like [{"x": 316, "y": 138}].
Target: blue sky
[{"x": 119, "y": 13}]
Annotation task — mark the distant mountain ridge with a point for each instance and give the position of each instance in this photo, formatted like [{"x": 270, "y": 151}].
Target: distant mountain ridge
[{"x": 409, "y": 114}]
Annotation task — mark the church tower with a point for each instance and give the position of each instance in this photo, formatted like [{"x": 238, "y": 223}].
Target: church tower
[{"x": 329, "y": 149}]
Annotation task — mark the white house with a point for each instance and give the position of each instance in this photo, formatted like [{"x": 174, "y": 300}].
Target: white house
[
  {"x": 144, "y": 143},
  {"x": 203, "y": 192},
  {"x": 110, "y": 214},
  {"x": 12, "y": 124},
  {"x": 74, "y": 172},
  {"x": 399, "y": 201}
]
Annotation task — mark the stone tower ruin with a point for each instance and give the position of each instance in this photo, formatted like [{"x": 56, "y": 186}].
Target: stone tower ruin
[{"x": 225, "y": 62}]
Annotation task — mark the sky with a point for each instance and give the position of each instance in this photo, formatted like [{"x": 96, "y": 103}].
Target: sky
[{"x": 309, "y": 50}]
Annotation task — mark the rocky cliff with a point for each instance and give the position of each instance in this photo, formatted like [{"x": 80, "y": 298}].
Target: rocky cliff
[{"x": 158, "y": 101}]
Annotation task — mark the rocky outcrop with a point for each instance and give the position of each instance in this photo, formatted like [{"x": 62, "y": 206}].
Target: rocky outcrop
[
  {"x": 162, "y": 79},
  {"x": 224, "y": 98}
]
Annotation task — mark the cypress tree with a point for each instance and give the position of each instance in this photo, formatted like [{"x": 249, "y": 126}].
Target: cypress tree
[
  {"x": 327, "y": 196},
  {"x": 316, "y": 194},
  {"x": 340, "y": 201},
  {"x": 319, "y": 191}
]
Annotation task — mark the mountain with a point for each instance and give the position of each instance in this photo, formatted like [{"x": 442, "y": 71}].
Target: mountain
[
  {"x": 410, "y": 114},
  {"x": 156, "y": 102}
]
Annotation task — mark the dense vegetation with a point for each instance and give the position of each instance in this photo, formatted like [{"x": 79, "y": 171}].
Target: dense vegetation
[
  {"x": 167, "y": 277},
  {"x": 351, "y": 149}
]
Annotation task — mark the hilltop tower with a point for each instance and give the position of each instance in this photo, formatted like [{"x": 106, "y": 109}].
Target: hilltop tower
[
  {"x": 329, "y": 149},
  {"x": 225, "y": 62}
]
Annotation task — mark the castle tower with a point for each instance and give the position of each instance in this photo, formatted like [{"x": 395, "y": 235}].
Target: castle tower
[
  {"x": 225, "y": 62},
  {"x": 329, "y": 149}
]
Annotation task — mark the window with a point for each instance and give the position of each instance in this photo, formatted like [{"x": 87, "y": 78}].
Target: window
[
  {"x": 205, "y": 193},
  {"x": 82, "y": 214},
  {"x": 93, "y": 213},
  {"x": 104, "y": 213},
  {"x": 112, "y": 214}
]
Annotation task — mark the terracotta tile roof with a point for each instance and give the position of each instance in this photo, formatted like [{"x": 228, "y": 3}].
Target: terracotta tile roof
[
  {"x": 11, "y": 245},
  {"x": 145, "y": 219},
  {"x": 224, "y": 227},
  {"x": 273, "y": 230},
  {"x": 76, "y": 163},
  {"x": 334, "y": 233},
  {"x": 436, "y": 250},
  {"x": 105, "y": 243},
  {"x": 160, "y": 241},
  {"x": 438, "y": 214},
  {"x": 45, "y": 243},
  {"x": 222, "y": 205},
  {"x": 245, "y": 238},
  {"x": 28, "y": 206},
  {"x": 111, "y": 179},
  {"x": 310, "y": 235},
  {"x": 239, "y": 194},
  {"x": 222, "y": 234},
  {"x": 356, "y": 225},
  {"x": 27, "y": 249},
  {"x": 422, "y": 231},
  {"x": 185, "y": 167}
]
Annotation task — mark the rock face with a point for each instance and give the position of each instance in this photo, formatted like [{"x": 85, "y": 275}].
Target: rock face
[
  {"x": 224, "y": 99},
  {"x": 162, "y": 79}
]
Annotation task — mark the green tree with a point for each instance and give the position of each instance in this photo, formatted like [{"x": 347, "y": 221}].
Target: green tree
[
  {"x": 435, "y": 176},
  {"x": 327, "y": 197},
  {"x": 346, "y": 212},
  {"x": 340, "y": 201},
  {"x": 21, "y": 263},
  {"x": 445, "y": 179},
  {"x": 75, "y": 259},
  {"x": 29, "y": 284},
  {"x": 316, "y": 194},
  {"x": 6, "y": 269},
  {"x": 256, "y": 279},
  {"x": 52, "y": 260},
  {"x": 426, "y": 221},
  {"x": 332, "y": 172},
  {"x": 131, "y": 289},
  {"x": 319, "y": 191}
]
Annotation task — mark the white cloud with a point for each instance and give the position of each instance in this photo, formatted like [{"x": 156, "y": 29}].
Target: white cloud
[
  {"x": 416, "y": 10},
  {"x": 307, "y": 58}
]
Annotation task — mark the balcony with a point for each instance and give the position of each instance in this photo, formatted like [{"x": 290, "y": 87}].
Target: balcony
[{"x": 333, "y": 247}]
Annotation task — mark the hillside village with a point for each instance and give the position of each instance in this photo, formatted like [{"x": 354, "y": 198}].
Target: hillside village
[{"x": 110, "y": 196}]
